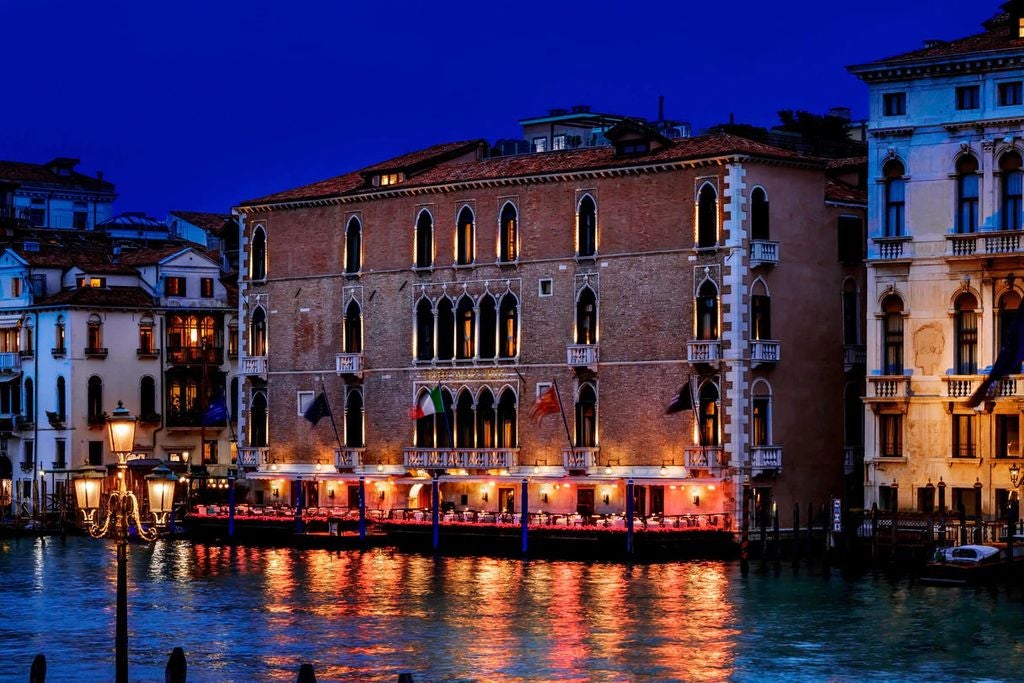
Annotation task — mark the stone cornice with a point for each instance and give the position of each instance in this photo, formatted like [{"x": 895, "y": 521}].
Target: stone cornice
[
  {"x": 568, "y": 176},
  {"x": 955, "y": 65}
]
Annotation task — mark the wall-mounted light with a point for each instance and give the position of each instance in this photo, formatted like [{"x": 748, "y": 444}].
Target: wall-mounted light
[
  {"x": 544, "y": 497},
  {"x": 330, "y": 493},
  {"x": 484, "y": 496},
  {"x": 696, "y": 500},
  {"x": 380, "y": 494},
  {"x": 380, "y": 467},
  {"x": 276, "y": 492},
  {"x": 606, "y": 499}
]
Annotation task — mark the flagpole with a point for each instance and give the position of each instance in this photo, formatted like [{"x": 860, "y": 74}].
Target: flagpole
[
  {"x": 444, "y": 414},
  {"x": 565, "y": 421},
  {"x": 330, "y": 414}
]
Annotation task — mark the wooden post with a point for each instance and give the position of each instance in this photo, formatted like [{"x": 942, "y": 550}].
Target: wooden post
[
  {"x": 745, "y": 534},
  {"x": 796, "y": 537},
  {"x": 176, "y": 670},
  {"x": 762, "y": 524},
  {"x": 524, "y": 517},
  {"x": 777, "y": 551},
  {"x": 874, "y": 533},
  {"x": 435, "y": 498},
  {"x": 629, "y": 516},
  {"x": 405, "y": 677},
  {"x": 826, "y": 564},
  {"x": 963, "y": 523},
  {"x": 362, "y": 510},
  {"x": 306, "y": 674},
  {"x": 1011, "y": 524},
  {"x": 38, "y": 672}
]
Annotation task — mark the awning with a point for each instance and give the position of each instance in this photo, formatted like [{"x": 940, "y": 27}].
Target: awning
[
  {"x": 10, "y": 320},
  {"x": 4, "y": 378}
]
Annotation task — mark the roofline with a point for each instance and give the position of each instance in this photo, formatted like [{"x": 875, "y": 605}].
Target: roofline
[
  {"x": 613, "y": 171},
  {"x": 570, "y": 116},
  {"x": 897, "y": 64}
]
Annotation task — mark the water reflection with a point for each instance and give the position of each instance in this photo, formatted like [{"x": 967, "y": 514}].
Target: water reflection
[{"x": 247, "y": 614}]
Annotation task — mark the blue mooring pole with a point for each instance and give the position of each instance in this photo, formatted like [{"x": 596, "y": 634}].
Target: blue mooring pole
[
  {"x": 362, "y": 509},
  {"x": 629, "y": 517},
  {"x": 232, "y": 474},
  {"x": 524, "y": 516},
  {"x": 298, "y": 506},
  {"x": 436, "y": 503}
]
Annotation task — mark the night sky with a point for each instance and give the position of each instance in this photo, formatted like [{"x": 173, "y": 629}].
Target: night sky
[{"x": 200, "y": 104}]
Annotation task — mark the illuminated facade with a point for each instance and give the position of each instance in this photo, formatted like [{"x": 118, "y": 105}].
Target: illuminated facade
[
  {"x": 944, "y": 265},
  {"x": 616, "y": 273}
]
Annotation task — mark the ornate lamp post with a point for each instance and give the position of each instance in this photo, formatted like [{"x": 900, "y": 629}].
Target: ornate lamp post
[{"x": 121, "y": 512}]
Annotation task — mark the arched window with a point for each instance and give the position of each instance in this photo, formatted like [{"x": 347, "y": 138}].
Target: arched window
[
  {"x": 353, "y": 328},
  {"x": 94, "y": 340},
  {"x": 708, "y": 410},
  {"x": 586, "y": 417},
  {"x": 443, "y": 422},
  {"x": 707, "y": 217},
  {"x": 586, "y": 227},
  {"x": 258, "y": 420},
  {"x": 354, "y": 419},
  {"x": 445, "y": 329},
  {"x": 147, "y": 398},
  {"x": 30, "y": 400},
  {"x": 488, "y": 344},
  {"x": 1009, "y": 302},
  {"x": 507, "y": 420},
  {"x": 464, "y": 236},
  {"x": 966, "y": 194},
  {"x": 586, "y": 317},
  {"x": 59, "y": 339},
  {"x": 353, "y": 246},
  {"x": 258, "y": 257},
  {"x": 508, "y": 234},
  {"x": 62, "y": 400},
  {"x": 94, "y": 400},
  {"x": 851, "y": 313},
  {"x": 258, "y": 333},
  {"x": 509, "y": 316},
  {"x": 1010, "y": 206},
  {"x": 465, "y": 421},
  {"x": 895, "y": 198},
  {"x": 759, "y": 214},
  {"x": 707, "y": 312},
  {"x": 485, "y": 420},
  {"x": 966, "y": 332},
  {"x": 424, "y": 330},
  {"x": 761, "y": 415},
  {"x": 424, "y": 240},
  {"x": 760, "y": 313},
  {"x": 466, "y": 322},
  {"x": 892, "y": 330},
  {"x": 146, "y": 346}
]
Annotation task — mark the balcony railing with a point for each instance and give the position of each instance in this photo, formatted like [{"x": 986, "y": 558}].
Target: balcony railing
[
  {"x": 960, "y": 386},
  {"x": 253, "y": 456},
  {"x": 892, "y": 248},
  {"x": 763, "y": 252},
  {"x": 348, "y": 458},
  {"x": 762, "y": 351},
  {"x": 252, "y": 366},
  {"x": 985, "y": 244},
  {"x": 582, "y": 355},
  {"x": 854, "y": 356},
  {"x": 96, "y": 352},
  {"x": 10, "y": 361},
  {"x": 765, "y": 459},
  {"x": 460, "y": 458},
  {"x": 580, "y": 458},
  {"x": 193, "y": 355},
  {"x": 348, "y": 363},
  {"x": 889, "y": 386},
  {"x": 703, "y": 351},
  {"x": 853, "y": 458},
  {"x": 708, "y": 457}
]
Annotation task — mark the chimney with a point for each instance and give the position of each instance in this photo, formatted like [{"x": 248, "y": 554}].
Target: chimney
[{"x": 661, "y": 108}]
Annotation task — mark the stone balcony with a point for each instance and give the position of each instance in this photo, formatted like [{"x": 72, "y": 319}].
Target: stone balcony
[
  {"x": 460, "y": 458},
  {"x": 348, "y": 458},
  {"x": 892, "y": 248},
  {"x": 765, "y": 459},
  {"x": 763, "y": 253},
  {"x": 582, "y": 356},
  {"x": 252, "y": 366},
  {"x": 889, "y": 386},
  {"x": 348, "y": 363},
  {"x": 764, "y": 351},
  {"x": 253, "y": 456},
  {"x": 985, "y": 244},
  {"x": 703, "y": 351},
  {"x": 702, "y": 458},
  {"x": 580, "y": 458}
]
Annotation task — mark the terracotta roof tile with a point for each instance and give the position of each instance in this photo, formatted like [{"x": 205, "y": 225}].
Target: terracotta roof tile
[
  {"x": 121, "y": 297},
  {"x": 838, "y": 191},
  {"x": 39, "y": 174},
  {"x": 213, "y": 223}
]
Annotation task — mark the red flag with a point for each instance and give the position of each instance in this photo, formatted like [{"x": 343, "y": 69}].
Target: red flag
[{"x": 546, "y": 404}]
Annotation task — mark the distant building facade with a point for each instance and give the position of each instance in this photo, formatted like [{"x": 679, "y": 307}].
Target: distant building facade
[
  {"x": 946, "y": 139},
  {"x": 615, "y": 274},
  {"x": 54, "y": 195}
]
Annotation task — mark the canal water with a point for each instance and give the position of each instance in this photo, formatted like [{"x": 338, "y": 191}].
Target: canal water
[{"x": 256, "y": 614}]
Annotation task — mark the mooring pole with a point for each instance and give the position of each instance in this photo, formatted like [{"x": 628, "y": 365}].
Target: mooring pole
[
  {"x": 629, "y": 517},
  {"x": 524, "y": 515}
]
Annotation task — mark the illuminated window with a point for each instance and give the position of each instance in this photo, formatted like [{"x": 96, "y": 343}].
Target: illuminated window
[
  {"x": 174, "y": 286},
  {"x": 963, "y": 436},
  {"x": 761, "y": 313},
  {"x": 258, "y": 333},
  {"x": 464, "y": 237},
  {"x": 892, "y": 333},
  {"x": 586, "y": 317},
  {"x": 206, "y": 287},
  {"x": 486, "y": 420},
  {"x": 15, "y": 286},
  {"x": 894, "y": 104},
  {"x": 85, "y": 281},
  {"x": 761, "y": 420},
  {"x": 424, "y": 240},
  {"x": 707, "y": 312},
  {"x": 94, "y": 333},
  {"x": 966, "y": 335},
  {"x": 1007, "y": 436},
  {"x": 146, "y": 336},
  {"x": 708, "y": 411},
  {"x": 558, "y": 142},
  {"x": 466, "y": 319},
  {"x": 540, "y": 144},
  {"x": 386, "y": 179},
  {"x": 508, "y": 234},
  {"x": 509, "y": 319},
  {"x": 506, "y": 418},
  {"x": 59, "y": 340}
]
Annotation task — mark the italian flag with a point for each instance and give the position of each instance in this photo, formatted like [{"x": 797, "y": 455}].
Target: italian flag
[{"x": 428, "y": 405}]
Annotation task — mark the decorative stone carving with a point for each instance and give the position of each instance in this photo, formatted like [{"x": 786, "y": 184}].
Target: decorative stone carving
[{"x": 929, "y": 343}]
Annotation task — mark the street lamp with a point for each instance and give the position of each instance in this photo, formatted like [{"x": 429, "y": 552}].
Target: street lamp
[
  {"x": 121, "y": 512},
  {"x": 1015, "y": 475}
]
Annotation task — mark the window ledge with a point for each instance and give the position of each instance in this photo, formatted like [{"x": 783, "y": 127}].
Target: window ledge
[
  {"x": 423, "y": 269},
  {"x": 507, "y": 264},
  {"x": 889, "y": 459},
  {"x": 963, "y": 461},
  {"x": 96, "y": 353},
  {"x": 705, "y": 250}
]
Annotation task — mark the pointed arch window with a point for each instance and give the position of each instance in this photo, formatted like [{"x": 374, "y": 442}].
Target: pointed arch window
[
  {"x": 759, "y": 214},
  {"x": 147, "y": 398},
  {"x": 258, "y": 257},
  {"x": 488, "y": 344},
  {"x": 707, "y": 312},
  {"x": 424, "y": 330},
  {"x": 761, "y": 314},
  {"x": 486, "y": 420},
  {"x": 465, "y": 233},
  {"x": 708, "y": 410},
  {"x": 258, "y": 420},
  {"x": 707, "y": 217},
  {"x": 586, "y": 317},
  {"x": 466, "y": 321},
  {"x": 761, "y": 416},
  {"x": 509, "y": 318},
  {"x": 967, "y": 194},
  {"x": 353, "y": 246},
  {"x": 586, "y": 417},
  {"x": 424, "y": 240},
  {"x": 465, "y": 421},
  {"x": 443, "y": 422},
  {"x": 895, "y": 198},
  {"x": 94, "y": 400},
  {"x": 59, "y": 337},
  {"x": 445, "y": 329},
  {"x": 507, "y": 437},
  {"x": 1012, "y": 185},
  {"x": 586, "y": 227},
  {"x": 892, "y": 335},
  {"x": 258, "y": 333},
  {"x": 354, "y": 437},
  {"x": 353, "y": 328},
  {"x": 966, "y": 323},
  {"x": 508, "y": 234}
]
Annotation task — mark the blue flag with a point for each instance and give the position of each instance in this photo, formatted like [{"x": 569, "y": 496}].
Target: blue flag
[
  {"x": 1008, "y": 362},
  {"x": 319, "y": 408},
  {"x": 216, "y": 413}
]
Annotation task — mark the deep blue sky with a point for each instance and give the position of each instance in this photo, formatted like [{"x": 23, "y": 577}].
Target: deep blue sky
[{"x": 200, "y": 104}]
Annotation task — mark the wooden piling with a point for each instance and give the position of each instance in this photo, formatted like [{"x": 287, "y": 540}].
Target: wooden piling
[
  {"x": 796, "y": 537},
  {"x": 405, "y": 677},
  {"x": 306, "y": 674},
  {"x": 176, "y": 670},
  {"x": 745, "y": 535},
  {"x": 776, "y": 551},
  {"x": 826, "y": 564},
  {"x": 37, "y": 674}
]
